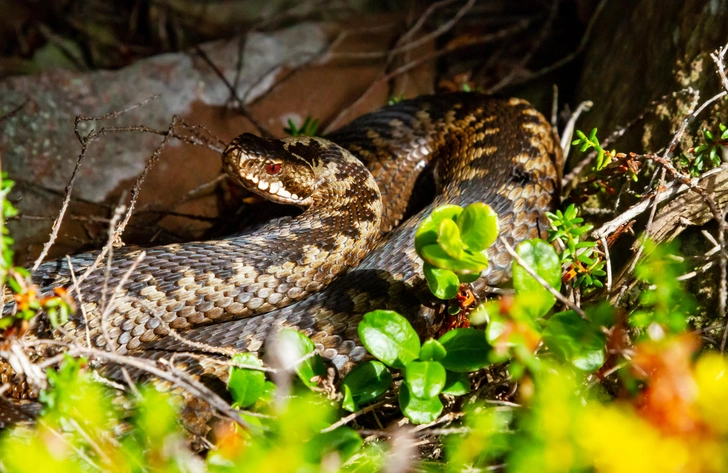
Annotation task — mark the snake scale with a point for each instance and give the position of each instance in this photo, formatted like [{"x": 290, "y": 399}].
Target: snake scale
[{"x": 236, "y": 292}]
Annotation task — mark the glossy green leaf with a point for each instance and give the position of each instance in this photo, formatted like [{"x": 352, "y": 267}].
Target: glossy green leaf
[
  {"x": 467, "y": 350},
  {"x": 469, "y": 263},
  {"x": 478, "y": 226},
  {"x": 246, "y": 385},
  {"x": 296, "y": 348},
  {"x": 456, "y": 384},
  {"x": 448, "y": 237},
  {"x": 425, "y": 378},
  {"x": 468, "y": 278},
  {"x": 542, "y": 258},
  {"x": 389, "y": 337},
  {"x": 443, "y": 283},
  {"x": 432, "y": 350},
  {"x": 575, "y": 340},
  {"x": 428, "y": 230},
  {"x": 348, "y": 402},
  {"x": 344, "y": 440},
  {"x": 365, "y": 383},
  {"x": 417, "y": 410}
]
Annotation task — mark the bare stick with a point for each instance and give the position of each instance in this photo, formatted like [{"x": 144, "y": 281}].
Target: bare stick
[
  {"x": 534, "y": 48},
  {"x": 608, "y": 262},
  {"x": 80, "y": 300},
  {"x": 241, "y": 106},
  {"x": 408, "y": 46},
  {"x": 672, "y": 189},
  {"x": 195, "y": 388},
  {"x": 136, "y": 189},
  {"x": 14, "y": 111},
  {"x": 522, "y": 25},
  {"x": 57, "y": 222},
  {"x": 346, "y": 419},
  {"x": 85, "y": 142}
]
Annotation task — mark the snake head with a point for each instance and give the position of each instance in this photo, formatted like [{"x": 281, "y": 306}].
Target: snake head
[{"x": 267, "y": 168}]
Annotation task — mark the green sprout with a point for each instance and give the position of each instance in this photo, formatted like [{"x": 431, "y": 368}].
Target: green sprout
[
  {"x": 585, "y": 143},
  {"x": 309, "y": 128},
  {"x": 57, "y": 307},
  {"x": 395, "y": 99},
  {"x": 586, "y": 265},
  {"x": 708, "y": 154}
]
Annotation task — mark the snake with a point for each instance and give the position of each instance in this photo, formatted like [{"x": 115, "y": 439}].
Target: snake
[{"x": 350, "y": 251}]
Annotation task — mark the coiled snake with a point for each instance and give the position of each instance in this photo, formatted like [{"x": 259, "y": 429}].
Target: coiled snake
[{"x": 236, "y": 292}]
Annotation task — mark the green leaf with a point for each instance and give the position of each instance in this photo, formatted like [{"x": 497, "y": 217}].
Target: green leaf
[
  {"x": 456, "y": 384},
  {"x": 348, "y": 402},
  {"x": 425, "y": 378},
  {"x": 467, "y": 350},
  {"x": 542, "y": 258},
  {"x": 469, "y": 263},
  {"x": 389, "y": 337},
  {"x": 575, "y": 340},
  {"x": 418, "y": 411},
  {"x": 468, "y": 278},
  {"x": 366, "y": 382},
  {"x": 296, "y": 347},
  {"x": 478, "y": 226},
  {"x": 246, "y": 385},
  {"x": 344, "y": 440},
  {"x": 428, "y": 230},
  {"x": 448, "y": 237},
  {"x": 443, "y": 283},
  {"x": 432, "y": 350}
]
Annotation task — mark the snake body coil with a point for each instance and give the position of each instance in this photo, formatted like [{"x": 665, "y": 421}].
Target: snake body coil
[{"x": 501, "y": 152}]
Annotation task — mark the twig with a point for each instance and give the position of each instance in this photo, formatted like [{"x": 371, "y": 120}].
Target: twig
[
  {"x": 718, "y": 58},
  {"x": 195, "y": 388},
  {"x": 241, "y": 106},
  {"x": 570, "y": 57},
  {"x": 568, "y": 134},
  {"x": 520, "y": 26},
  {"x": 59, "y": 219},
  {"x": 672, "y": 189},
  {"x": 14, "y": 111},
  {"x": 529, "y": 55},
  {"x": 408, "y": 46},
  {"x": 112, "y": 303},
  {"x": 85, "y": 142},
  {"x": 81, "y": 454},
  {"x": 540, "y": 280},
  {"x": 346, "y": 419},
  {"x": 80, "y": 300},
  {"x": 136, "y": 189},
  {"x": 608, "y": 263}
]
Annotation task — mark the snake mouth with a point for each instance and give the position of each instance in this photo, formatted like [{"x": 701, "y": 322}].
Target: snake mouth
[{"x": 266, "y": 167}]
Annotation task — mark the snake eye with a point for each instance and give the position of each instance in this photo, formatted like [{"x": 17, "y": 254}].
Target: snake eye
[{"x": 273, "y": 168}]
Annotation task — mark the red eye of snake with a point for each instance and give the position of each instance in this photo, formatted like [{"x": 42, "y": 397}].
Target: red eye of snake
[{"x": 273, "y": 168}]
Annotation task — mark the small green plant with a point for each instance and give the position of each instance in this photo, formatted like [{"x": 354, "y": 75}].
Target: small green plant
[
  {"x": 27, "y": 303},
  {"x": 395, "y": 99},
  {"x": 586, "y": 143},
  {"x": 466, "y": 87},
  {"x": 309, "y": 128},
  {"x": 664, "y": 302},
  {"x": 453, "y": 243},
  {"x": 585, "y": 263},
  {"x": 82, "y": 429},
  {"x": 708, "y": 154}
]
